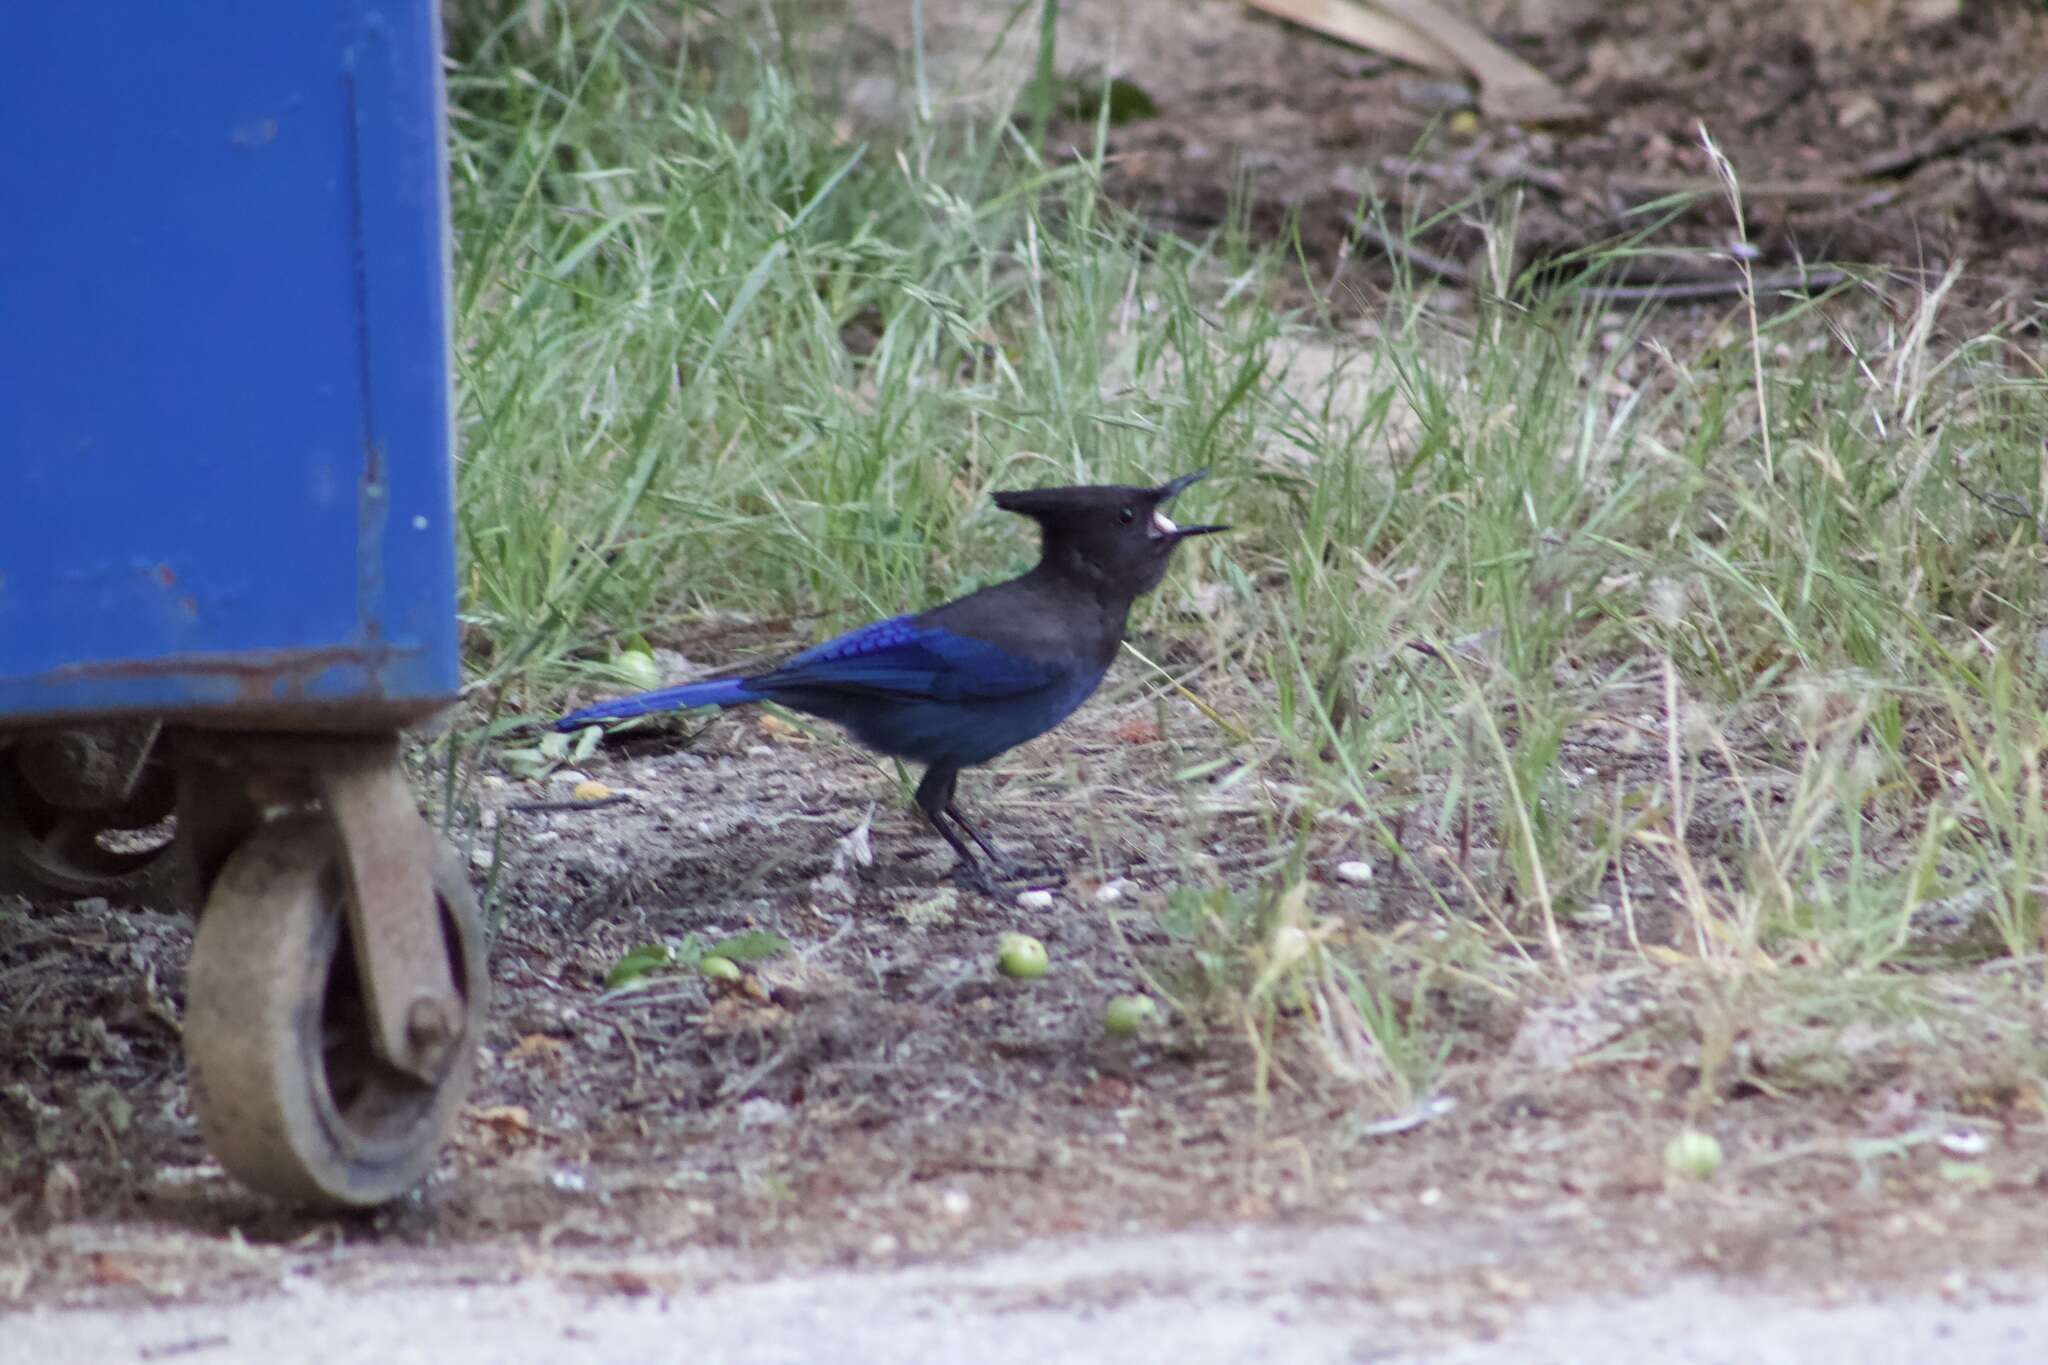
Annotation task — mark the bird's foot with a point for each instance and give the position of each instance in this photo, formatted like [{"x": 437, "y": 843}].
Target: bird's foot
[
  {"x": 974, "y": 877},
  {"x": 1038, "y": 874}
]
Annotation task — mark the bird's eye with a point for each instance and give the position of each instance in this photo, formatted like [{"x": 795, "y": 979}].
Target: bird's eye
[{"x": 1128, "y": 515}]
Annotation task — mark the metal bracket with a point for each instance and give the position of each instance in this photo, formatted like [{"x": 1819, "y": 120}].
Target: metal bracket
[{"x": 416, "y": 1015}]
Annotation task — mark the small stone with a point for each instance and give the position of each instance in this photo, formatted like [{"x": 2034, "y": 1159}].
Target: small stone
[
  {"x": 1356, "y": 871},
  {"x": 1964, "y": 1142},
  {"x": 956, "y": 1204},
  {"x": 1035, "y": 899},
  {"x": 884, "y": 1244},
  {"x": 590, "y": 789},
  {"x": 761, "y": 1112}
]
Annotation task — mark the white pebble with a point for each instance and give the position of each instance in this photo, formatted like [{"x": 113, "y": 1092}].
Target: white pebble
[
  {"x": 1109, "y": 893},
  {"x": 1964, "y": 1142},
  {"x": 1034, "y": 900},
  {"x": 1357, "y": 872},
  {"x": 955, "y": 1204}
]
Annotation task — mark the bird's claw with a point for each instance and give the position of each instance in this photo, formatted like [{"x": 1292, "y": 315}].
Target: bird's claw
[
  {"x": 975, "y": 878},
  {"x": 1043, "y": 874}
]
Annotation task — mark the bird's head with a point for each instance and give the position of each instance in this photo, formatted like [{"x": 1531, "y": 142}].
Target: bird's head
[{"x": 1112, "y": 535}]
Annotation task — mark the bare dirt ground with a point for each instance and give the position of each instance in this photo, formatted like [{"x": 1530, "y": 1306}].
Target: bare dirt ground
[
  {"x": 881, "y": 1098},
  {"x": 1906, "y": 135},
  {"x": 856, "y": 1121}
]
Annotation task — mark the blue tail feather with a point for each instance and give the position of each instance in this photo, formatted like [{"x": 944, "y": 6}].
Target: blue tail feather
[{"x": 717, "y": 692}]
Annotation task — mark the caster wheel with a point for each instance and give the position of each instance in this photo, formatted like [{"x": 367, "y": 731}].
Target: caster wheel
[
  {"x": 121, "y": 852},
  {"x": 291, "y": 1095}
]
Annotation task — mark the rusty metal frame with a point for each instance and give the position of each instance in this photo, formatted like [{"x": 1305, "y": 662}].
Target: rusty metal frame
[{"x": 388, "y": 855}]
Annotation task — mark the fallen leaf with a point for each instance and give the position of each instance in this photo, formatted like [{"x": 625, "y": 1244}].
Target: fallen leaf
[
  {"x": 510, "y": 1120},
  {"x": 1138, "y": 730},
  {"x": 1361, "y": 27},
  {"x": 1106, "y": 1092},
  {"x": 738, "y": 1013},
  {"x": 540, "y": 1049},
  {"x": 632, "y": 1284},
  {"x": 108, "y": 1269}
]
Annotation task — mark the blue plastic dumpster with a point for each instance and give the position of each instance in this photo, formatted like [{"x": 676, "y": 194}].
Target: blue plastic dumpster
[{"x": 227, "y": 546}]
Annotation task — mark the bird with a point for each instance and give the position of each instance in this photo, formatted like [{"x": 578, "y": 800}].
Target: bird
[{"x": 958, "y": 684}]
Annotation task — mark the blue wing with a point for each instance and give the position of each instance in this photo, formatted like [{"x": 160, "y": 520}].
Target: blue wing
[{"x": 899, "y": 658}]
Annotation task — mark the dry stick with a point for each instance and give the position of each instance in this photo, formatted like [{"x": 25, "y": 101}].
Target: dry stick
[
  {"x": 551, "y": 807},
  {"x": 1653, "y": 291},
  {"x": 1938, "y": 145},
  {"x": 1509, "y": 88},
  {"x": 1681, "y": 859},
  {"x": 1693, "y": 290},
  {"x": 615, "y": 1000},
  {"x": 632, "y": 1051},
  {"x": 1360, "y": 27},
  {"x": 1628, "y": 905}
]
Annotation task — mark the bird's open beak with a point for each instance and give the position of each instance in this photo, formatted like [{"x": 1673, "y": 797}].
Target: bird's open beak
[{"x": 1162, "y": 525}]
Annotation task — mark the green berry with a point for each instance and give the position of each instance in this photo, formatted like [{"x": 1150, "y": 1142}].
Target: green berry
[
  {"x": 1127, "y": 1014},
  {"x": 1021, "y": 957},
  {"x": 1693, "y": 1155}
]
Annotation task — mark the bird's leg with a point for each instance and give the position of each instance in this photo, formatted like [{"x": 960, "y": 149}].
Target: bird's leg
[
  {"x": 934, "y": 794},
  {"x": 1005, "y": 870},
  {"x": 1002, "y": 867}
]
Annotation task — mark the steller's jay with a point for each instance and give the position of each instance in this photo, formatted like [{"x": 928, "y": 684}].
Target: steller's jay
[{"x": 963, "y": 682}]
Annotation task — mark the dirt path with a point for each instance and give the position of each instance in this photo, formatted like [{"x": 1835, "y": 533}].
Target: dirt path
[{"x": 1358, "y": 1293}]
